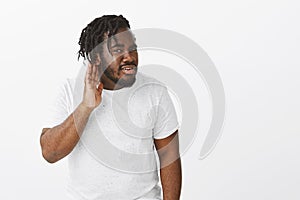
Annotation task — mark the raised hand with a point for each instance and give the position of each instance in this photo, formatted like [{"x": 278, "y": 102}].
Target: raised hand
[{"x": 92, "y": 88}]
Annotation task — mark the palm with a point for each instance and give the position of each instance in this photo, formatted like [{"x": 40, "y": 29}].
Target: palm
[{"x": 92, "y": 89}]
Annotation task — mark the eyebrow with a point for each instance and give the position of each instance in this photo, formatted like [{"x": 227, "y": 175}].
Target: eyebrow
[
  {"x": 122, "y": 45},
  {"x": 117, "y": 45}
]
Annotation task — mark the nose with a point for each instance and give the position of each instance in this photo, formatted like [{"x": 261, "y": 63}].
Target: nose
[{"x": 128, "y": 56}]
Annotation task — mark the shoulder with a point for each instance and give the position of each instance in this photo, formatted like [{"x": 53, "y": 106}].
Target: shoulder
[{"x": 66, "y": 87}]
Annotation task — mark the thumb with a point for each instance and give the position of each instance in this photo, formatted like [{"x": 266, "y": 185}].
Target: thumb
[{"x": 100, "y": 87}]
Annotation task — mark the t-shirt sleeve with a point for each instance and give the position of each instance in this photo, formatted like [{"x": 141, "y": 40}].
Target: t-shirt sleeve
[
  {"x": 58, "y": 109},
  {"x": 166, "y": 121}
]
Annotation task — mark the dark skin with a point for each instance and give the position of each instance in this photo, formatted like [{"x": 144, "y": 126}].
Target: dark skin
[
  {"x": 170, "y": 166},
  {"x": 57, "y": 142}
]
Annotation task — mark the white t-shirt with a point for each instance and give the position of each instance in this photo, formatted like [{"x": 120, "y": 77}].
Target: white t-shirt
[{"x": 115, "y": 157}]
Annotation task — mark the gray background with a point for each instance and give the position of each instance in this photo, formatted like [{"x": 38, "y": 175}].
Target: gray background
[{"x": 254, "y": 45}]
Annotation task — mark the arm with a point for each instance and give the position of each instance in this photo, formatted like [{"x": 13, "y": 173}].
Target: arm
[
  {"x": 59, "y": 141},
  {"x": 170, "y": 166}
]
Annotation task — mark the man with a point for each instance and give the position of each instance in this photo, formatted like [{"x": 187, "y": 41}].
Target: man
[{"x": 150, "y": 125}]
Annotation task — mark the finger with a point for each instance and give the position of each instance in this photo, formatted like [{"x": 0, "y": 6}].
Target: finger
[
  {"x": 93, "y": 72},
  {"x": 100, "y": 87},
  {"x": 100, "y": 71},
  {"x": 88, "y": 72},
  {"x": 97, "y": 75}
]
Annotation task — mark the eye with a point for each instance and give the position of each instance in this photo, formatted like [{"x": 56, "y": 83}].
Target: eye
[
  {"x": 133, "y": 49},
  {"x": 117, "y": 50}
]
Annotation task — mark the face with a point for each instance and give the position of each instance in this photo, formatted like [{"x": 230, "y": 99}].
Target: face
[{"x": 120, "y": 58}]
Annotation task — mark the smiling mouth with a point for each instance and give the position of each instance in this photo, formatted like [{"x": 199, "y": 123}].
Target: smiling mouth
[{"x": 129, "y": 69}]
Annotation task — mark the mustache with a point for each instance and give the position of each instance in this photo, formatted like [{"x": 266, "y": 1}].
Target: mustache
[{"x": 127, "y": 63}]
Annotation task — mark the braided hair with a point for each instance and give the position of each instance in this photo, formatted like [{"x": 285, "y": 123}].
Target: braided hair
[{"x": 93, "y": 34}]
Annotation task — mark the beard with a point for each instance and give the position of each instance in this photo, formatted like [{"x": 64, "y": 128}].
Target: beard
[{"x": 125, "y": 81}]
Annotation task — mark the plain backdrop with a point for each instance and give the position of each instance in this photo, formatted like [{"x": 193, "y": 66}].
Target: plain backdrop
[{"x": 254, "y": 45}]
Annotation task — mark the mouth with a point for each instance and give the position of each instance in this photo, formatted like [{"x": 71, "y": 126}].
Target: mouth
[{"x": 129, "y": 69}]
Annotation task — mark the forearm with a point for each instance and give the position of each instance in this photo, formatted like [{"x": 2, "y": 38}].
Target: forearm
[
  {"x": 171, "y": 179},
  {"x": 60, "y": 140}
]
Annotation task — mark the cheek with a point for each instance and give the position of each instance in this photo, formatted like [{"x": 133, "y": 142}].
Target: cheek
[
  {"x": 116, "y": 61},
  {"x": 114, "y": 68},
  {"x": 136, "y": 56},
  {"x": 115, "y": 65}
]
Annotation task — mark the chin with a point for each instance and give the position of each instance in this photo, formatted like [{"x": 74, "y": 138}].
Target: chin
[{"x": 127, "y": 82}]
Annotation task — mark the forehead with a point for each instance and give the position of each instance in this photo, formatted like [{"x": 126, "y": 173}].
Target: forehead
[{"x": 123, "y": 37}]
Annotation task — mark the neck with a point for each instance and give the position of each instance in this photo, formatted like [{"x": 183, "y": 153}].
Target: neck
[{"x": 109, "y": 84}]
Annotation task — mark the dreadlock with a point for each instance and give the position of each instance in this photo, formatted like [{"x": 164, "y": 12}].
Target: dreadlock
[{"x": 93, "y": 34}]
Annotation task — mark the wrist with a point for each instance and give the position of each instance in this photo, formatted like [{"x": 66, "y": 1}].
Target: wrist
[{"x": 83, "y": 107}]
